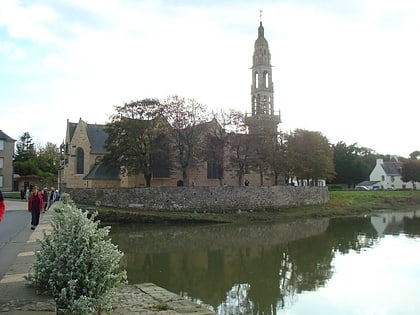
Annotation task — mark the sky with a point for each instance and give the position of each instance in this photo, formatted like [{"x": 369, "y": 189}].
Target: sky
[{"x": 349, "y": 69}]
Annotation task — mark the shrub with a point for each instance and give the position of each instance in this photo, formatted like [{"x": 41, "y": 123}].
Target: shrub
[{"x": 77, "y": 264}]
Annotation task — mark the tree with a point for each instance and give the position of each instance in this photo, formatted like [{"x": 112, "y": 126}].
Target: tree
[
  {"x": 138, "y": 139},
  {"x": 352, "y": 164},
  {"x": 411, "y": 172},
  {"x": 29, "y": 160},
  {"x": 48, "y": 160},
  {"x": 217, "y": 141},
  {"x": 276, "y": 157},
  {"x": 239, "y": 146},
  {"x": 185, "y": 116},
  {"x": 415, "y": 155},
  {"x": 311, "y": 156}
]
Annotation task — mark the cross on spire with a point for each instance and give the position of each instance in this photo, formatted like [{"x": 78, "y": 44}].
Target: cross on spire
[{"x": 261, "y": 15}]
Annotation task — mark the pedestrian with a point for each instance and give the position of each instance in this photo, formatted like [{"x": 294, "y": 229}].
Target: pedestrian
[
  {"x": 35, "y": 206},
  {"x": 45, "y": 197},
  {"x": 2, "y": 206},
  {"x": 57, "y": 195},
  {"x": 51, "y": 198}
]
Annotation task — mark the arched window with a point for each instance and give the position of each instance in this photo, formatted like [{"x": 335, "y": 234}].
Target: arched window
[{"x": 80, "y": 161}]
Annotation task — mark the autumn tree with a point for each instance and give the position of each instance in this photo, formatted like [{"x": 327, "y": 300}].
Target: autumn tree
[
  {"x": 138, "y": 139},
  {"x": 311, "y": 156},
  {"x": 411, "y": 171},
  {"x": 186, "y": 115}
]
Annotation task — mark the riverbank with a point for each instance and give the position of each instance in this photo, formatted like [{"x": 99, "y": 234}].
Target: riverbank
[{"x": 341, "y": 203}]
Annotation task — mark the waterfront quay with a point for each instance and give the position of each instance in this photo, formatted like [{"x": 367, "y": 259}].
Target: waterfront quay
[{"x": 17, "y": 297}]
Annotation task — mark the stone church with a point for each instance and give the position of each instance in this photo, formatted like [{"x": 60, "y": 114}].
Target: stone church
[{"x": 83, "y": 148}]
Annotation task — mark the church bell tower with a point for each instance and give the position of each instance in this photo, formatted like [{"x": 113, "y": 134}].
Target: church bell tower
[{"x": 262, "y": 119}]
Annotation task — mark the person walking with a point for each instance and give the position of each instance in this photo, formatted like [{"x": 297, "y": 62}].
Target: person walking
[
  {"x": 35, "y": 206},
  {"x": 2, "y": 206},
  {"x": 51, "y": 197}
]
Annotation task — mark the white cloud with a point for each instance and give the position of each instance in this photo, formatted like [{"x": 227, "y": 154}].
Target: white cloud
[{"x": 350, "y": 72}]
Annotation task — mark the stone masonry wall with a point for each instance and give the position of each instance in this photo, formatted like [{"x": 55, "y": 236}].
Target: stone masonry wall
[{"x": 202, "y": 199}]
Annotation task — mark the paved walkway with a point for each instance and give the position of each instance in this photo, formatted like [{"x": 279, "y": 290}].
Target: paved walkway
[{"x": 17, "y": 298}]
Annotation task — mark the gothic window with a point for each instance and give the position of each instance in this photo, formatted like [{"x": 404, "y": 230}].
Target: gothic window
[
  {"x": 161, "y": 167},
  {"x": 80, "y": 161},
  {"x": 213, "y": 169}
]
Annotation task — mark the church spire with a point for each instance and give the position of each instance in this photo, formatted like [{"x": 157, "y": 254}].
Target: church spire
[{"x": 263, "y": 119}]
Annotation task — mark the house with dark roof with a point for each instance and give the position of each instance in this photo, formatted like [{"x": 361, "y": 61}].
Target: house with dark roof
[
  {"x": 387, "y": 175},
  {"x": 7, "y": 150}
]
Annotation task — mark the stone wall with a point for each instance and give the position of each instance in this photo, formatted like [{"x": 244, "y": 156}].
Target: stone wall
[{"x": 202, "y": 199}]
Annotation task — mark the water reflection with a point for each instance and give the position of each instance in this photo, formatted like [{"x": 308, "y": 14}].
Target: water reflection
[{"x": 252, "y": 269}]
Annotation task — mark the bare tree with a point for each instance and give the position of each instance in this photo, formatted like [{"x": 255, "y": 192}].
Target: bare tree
[{"x": 186, "y": 115}]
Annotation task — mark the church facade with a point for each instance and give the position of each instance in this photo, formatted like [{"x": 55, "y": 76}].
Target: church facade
[{"x": 84, "y": 145}]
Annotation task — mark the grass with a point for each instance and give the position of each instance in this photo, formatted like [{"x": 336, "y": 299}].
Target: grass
[{"x": 341, "y": 203}]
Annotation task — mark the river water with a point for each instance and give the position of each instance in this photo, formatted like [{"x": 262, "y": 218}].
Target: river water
[{"x": 361, "y": 265}]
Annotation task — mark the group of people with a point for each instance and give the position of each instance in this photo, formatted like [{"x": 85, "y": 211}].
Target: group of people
[
  {"x": 38, "y": 201},
  {"x": 41, "y": 201}
]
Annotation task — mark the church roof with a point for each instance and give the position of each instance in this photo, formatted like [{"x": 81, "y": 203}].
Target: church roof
[
  {"x": 101, "y": 171},
  {"x": 97, "y": 137}
]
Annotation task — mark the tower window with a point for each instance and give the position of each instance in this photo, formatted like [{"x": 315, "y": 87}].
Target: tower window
[
  {"x": 265, "y": 79},
  {"x": 256, "y": 80}
]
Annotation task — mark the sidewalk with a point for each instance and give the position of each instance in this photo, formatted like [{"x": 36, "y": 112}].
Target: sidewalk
[{"x": 16, "y": 298}]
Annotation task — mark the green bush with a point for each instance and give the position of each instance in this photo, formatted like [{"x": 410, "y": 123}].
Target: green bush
[{"x": 77, "y": 264}]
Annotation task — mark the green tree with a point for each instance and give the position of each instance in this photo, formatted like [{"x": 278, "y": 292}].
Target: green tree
[
  {"x": 48, "y": 160},
  {"x": 411, "y": 172},
  {"x": 352, "y": 164},
  {"x": 138, "y": 139},
  {"x": 311, "y": 156}
]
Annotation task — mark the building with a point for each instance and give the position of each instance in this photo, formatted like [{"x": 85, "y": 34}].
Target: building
[
  {"x": 84, "y": 148},
  {"x": 263, "y": 119},
  {"x": 386, "y": 175},
  {"x": 7, "y": 151}
]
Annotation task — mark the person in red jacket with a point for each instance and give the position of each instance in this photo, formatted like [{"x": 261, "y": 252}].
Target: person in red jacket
[
  {"x": 2, "y": 206},
  {"x": 35, "y": 206}
]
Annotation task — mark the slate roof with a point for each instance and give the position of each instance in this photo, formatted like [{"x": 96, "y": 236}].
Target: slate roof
[
  {"x": 100, "y": 171},
  {"x": 392, "y": 168},
  {"x": 97, "y": 137},
  {"x": 4, "y": 136}
]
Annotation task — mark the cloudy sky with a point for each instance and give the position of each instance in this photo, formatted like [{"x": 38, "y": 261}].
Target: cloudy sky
[{"x": 347, "y": 68}]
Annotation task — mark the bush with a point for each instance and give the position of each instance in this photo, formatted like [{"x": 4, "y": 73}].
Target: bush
[{"x": 77, "y": 264}]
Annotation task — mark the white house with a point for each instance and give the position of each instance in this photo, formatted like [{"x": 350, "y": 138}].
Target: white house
[{"x": 387, "y": 175}]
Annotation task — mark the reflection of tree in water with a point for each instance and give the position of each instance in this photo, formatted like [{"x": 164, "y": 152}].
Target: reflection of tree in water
[
  {"x": 351, "y": 234},
  {"x": 412, "y": 226},
  {"x": 255, "y": 279}
]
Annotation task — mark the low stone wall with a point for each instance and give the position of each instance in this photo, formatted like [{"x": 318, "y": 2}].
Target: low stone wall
[{"x": 202, "y": 199}]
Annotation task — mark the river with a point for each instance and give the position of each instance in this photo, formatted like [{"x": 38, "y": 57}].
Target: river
[{"x": 360, "y": 265}]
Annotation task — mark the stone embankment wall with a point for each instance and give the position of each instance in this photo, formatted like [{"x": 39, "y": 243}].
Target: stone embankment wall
[{"x": 202, "y": 199}]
